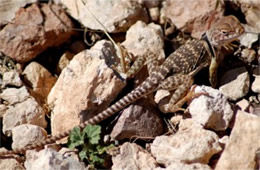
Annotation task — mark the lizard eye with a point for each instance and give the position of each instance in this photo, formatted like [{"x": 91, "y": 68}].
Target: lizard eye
[{"x": 224, "y": 32}]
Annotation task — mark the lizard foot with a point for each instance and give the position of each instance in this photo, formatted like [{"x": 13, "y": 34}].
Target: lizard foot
[{"x": 191, "y": 94}]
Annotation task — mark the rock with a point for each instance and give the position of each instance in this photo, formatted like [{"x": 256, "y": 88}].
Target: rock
[
  {"x": 138, "y": 121},
  {"x": 188, "y": 124},
  {"x": 26, "y": 134},
  {"x": 14, "y": 95},
  {"x": 28, "y": 111},
  {"x": 50, "y": 159},
  {"x": 243, "y": 104},
  {"x": 212, "y": 111},
  {"x": 149, "y": 4},
  {"x": 66, "y": 152},
  {"x": 183, "y": 166},
  {"x": 3, "y": 109},
  {"x": 154, "y": 14},
  {"x": 188, "y": 145},
  {"x": 248, "y": 55},
  {"x": 9, "y": 7},
  {"x": 7, "y": 164},
  {"x": 12, "y": 78},
  {"x": 40, "y": 80},
  {"x": 116, "y": 15},
  {"x": 224, "y": 140},
  {"x": 176, "y": 119},
  {"x": 132, "y": 156},
  {"x": 55, "y": 147},
  {"x": 64, "y": 61},
  {"x": 254, "y": 99},
  {"x": 251, "y": 10},
  {"x": 191, "y": 16},
  {"x": 160, "y": 94},
  {"x": 255, "y": 110},
  {"x": 256, "y": 85},
  {"x": 84, "y": 88},
  {"x": 244, "y": 139},
  {"x": 248, "y": 38},
  {"x": 46, "y": 26},
  {"x": 257, "y": 159},
  {"x": 235, "y": 79},
  {"x": 144, "y": 40}
]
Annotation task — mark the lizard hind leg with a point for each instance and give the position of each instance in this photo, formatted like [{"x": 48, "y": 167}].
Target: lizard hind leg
[
  {"x": 190, "y": 95},
  {"x": 180, "y": 83}
]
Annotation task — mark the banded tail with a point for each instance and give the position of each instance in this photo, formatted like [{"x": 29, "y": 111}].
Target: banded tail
[{"x": 148, "y": 86}]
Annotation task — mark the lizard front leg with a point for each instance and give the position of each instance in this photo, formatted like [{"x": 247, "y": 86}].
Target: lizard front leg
[{"x": 150, "y": 60}]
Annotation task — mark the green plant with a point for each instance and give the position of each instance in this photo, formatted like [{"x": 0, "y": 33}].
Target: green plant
[{"x": 87, "y": 141}]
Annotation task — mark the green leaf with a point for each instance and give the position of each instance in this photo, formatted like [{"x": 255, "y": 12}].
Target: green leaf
[
  {"x": 103, "y": 149},
  {"x": 76, "y": 138},
  {"x": 88, "y": 140},
  {"x": 83, "y": 155},
  {"x": 96, "y": 159},
  {"x": 92, "y": 132}
]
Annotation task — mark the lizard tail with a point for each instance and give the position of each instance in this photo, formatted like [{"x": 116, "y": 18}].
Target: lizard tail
[{"x": 139, "y": 92}]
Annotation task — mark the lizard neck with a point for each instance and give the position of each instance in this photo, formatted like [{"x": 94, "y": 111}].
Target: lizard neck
[{"x": 209, "y": 47}]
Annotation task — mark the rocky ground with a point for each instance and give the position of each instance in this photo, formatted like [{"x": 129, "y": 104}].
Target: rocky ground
[{"x": 56, "y": 72}]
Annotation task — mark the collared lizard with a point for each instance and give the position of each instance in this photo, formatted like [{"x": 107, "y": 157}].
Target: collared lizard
[{"x": 175, "y": 73}]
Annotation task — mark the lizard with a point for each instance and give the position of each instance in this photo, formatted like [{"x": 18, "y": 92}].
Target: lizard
[{"x": 175, "y": 73}]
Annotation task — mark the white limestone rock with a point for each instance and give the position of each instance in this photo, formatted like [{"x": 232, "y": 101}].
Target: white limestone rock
[
  {"x": 150, "y": 3},
  {"x": 115, "y": 15},
  {"x": 256, "y": 85},
  {"x": 185, "y": 166},
  {"x": 248, "y": 55},
  {"x": 28, "y": 111},
  {"x": 251, "y": 10},
  {"x": 12, "y": 78},
  {"x": 243, "y": 143},
  {"x": 64, "y": 61},
  {"x": 213, "y": 110},
  {"x": 50, "y": 159},
  {"x": 188, "y": 145},
  {"x": 14, "y": 95},
  {"x": 248, "y": 38},
  {"x": 9, "y": 8},
  {"x": 84, "y": 88},
  {"x": 3, "y": 109},
  {"x": 145, "y": 39},
  {"x": 243, "y": 104},
  {"x": 190, "y": 16},
  {"x": 40, "y": 80},
  {"x": 235, "y": 83},
  {"x": 26, "y": 134},
  {"x": 131, "y": 156},
  {"x": 10, "y": 164}
]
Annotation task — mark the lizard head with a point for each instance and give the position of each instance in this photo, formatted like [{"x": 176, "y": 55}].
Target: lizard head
[
  {"x": 224, "y": 31},
  {"x": 220, "y": 34}
]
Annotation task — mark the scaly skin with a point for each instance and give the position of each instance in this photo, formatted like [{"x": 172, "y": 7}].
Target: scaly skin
[{"x": 183, "y": 61}]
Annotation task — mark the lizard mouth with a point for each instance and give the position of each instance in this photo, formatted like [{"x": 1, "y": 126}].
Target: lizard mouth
[{"x": 228, "y": 40}]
